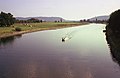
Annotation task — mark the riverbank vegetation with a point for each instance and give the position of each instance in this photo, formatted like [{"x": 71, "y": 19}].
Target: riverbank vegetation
[
  {"x": 30, "y": 27},
  {"x": 113, "y": 27},
  {"x": 113, "y": 35},
  {"x": 10, "y": 26}
]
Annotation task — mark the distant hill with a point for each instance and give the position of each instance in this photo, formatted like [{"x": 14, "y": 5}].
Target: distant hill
[
  {"x": 100, "y": 18},
  {"x": 50, "y": 19}
]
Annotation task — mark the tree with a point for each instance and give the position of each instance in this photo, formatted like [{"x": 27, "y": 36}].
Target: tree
[
  {"x": 61, "y": 20},
  {"x": 114, "y": 21},
  {"x": 33, "y": 20},
  {"x": 41, "y": 21},
  {"x": 6, "y": 19},
  {"x": 3, "y": 19}
]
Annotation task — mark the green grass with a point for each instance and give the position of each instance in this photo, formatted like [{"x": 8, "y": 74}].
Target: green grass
[{"x": 37, "y": 26}]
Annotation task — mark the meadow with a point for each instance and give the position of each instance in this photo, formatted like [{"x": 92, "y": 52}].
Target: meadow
[{"x": 32, "y": 27}]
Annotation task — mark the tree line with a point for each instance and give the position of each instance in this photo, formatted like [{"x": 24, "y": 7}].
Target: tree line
[
  {"x": 94, "y": 21},
  {"x": 31, "y": 20},
  {"x": 7, "y": 19}
]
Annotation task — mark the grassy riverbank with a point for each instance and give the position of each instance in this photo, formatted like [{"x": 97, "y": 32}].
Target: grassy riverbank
[{"x": 31, "y": 27}]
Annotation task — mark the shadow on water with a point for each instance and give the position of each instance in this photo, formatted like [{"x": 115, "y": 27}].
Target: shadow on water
[
  {"x": 8, "y": 40},
  {"x": 114, "y": 45}
]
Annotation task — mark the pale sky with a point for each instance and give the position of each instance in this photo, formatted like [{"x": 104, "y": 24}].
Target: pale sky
[{"x": 67, "y": 9}]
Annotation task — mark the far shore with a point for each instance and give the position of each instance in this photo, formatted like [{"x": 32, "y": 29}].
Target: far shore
[{"x": 47, "y": 26}]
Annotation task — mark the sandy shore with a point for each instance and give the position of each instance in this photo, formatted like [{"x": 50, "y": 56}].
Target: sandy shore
[{"x": 23, "y": 32}]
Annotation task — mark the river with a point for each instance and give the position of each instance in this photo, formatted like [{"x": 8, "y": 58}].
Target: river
[{"x": 42, "y": 54}]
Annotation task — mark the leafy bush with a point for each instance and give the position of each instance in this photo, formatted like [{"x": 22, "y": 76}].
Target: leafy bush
[{"x": 18, "y": 29}]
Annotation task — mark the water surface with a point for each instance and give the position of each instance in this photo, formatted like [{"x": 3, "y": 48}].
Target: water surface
[{"x": 43, "y": 54}]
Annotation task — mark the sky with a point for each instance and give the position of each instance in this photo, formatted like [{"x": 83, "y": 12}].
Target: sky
[{"x": 67, "y": 9}]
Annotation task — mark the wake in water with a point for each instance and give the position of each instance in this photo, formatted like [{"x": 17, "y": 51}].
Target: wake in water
[
  {"x": 69, "y": 35},
  {"x": 66, "y": 38}
]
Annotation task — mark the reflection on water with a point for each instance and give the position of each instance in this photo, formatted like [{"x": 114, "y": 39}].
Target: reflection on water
[
  {"x": 8, "y": 40},
  {"x": 43, "y": 55},
  {"x": 115, "y": 55},
  {"x": 114, "y": 45}
]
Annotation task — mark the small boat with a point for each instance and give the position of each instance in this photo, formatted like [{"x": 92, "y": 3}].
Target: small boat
[
  {"x": 104, "y": 30},
  {"x": 64, "y": 39}
]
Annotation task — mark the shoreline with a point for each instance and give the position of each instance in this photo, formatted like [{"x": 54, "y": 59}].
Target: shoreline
[{"x": 35, "y": 30}]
